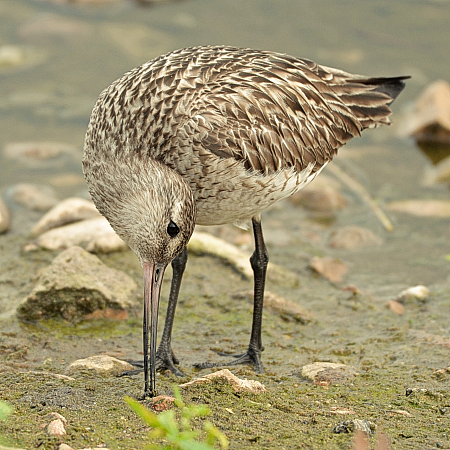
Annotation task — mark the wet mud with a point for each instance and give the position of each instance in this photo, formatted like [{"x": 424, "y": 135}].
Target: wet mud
[{"x": 402, "y": 386}]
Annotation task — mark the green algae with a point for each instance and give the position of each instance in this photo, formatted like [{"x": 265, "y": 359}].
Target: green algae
[
  {"x": 291, "y": 414},
  {"x": 403, "y": 387}
]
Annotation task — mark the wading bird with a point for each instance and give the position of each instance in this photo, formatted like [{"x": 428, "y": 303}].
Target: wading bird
[{"x": 215, "y": 135}]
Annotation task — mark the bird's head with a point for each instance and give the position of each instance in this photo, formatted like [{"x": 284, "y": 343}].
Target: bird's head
[
  {"x": 149, "y": 205},
  {"x": 152, "y": 208}
]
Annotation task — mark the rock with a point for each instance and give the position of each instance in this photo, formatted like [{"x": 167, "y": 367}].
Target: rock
[
  {"x": 205, "y": 243},
  {"x": 413, "y": 294},
  {"x": 326, "y": 373},
  {"x": 76, "y": 285},
  {"x": 353, "y": 238},
  {"x": 395, "y": 307},
  {"x": 64, "y": 447},
  {"x": 162, "y": 403},
  {"x": 37, "y": 152},
  {"x": 322, "y": 201},
  {"x": 72, "y": 209},
  {"x": 330, "y": 268},
  {"x": 100, "y": 364},
  {"x": 286, "y": 309},
  {"x": 57, "y": 427},
  {"x": 422, "y": 208},
  {"x": 350, "y": 426},
  {"x": 5, "y": 218},
  {"x": 107, "y": 243},
  {"x": 92, "y": 235},
  {"x": 439, "y": 173},
  {"x": 34, "y": 196},
  {"x": 236, "y": 383},
  {"x": 429, "y": 120}
]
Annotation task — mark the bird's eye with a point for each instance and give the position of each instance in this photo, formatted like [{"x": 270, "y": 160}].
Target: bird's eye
[{"x": 172, "y": 229}]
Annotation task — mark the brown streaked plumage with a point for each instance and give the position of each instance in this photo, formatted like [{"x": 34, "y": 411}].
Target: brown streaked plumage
[{"x": 214, "y": 135}]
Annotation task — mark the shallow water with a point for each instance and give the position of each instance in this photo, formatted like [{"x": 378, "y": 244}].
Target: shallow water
[{"x": 71, "y": 52}]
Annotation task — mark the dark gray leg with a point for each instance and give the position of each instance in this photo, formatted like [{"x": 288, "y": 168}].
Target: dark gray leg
[
  {"x": 259, "y": 261},
  {"x": 165, "y": 358}
]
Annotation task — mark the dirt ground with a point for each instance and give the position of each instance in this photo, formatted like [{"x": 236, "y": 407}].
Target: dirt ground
[{"x": 402, "y": 360}]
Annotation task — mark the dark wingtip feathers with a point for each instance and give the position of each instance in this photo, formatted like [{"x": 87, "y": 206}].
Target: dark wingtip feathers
[{"x": 389, "y": 86}]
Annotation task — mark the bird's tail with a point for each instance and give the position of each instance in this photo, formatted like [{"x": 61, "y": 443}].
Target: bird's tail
[
  {"x": 370, "y": 99},
  {"x": 389, "y": 86}
]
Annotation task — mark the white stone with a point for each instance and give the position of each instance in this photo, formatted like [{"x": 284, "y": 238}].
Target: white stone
[
  {"x": 236, "y": 383},
  {"x": 101, "y": 364},
  {"x": 88, "y": 234},
  {"x": 72, "y": 209}
]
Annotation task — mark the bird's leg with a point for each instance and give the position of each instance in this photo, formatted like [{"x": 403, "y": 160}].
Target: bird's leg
[
  {"x": 258, "y": 261},
  {"x": 165, "y": 358}
]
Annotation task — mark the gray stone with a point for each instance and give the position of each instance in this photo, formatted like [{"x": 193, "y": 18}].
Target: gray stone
[
  {"x": 353, "y": 238},
  {"x": 34, "y": 196},
  {"x": 77, "y": 285},
  {"x": 100, "y": 364},
  {"x": 429, "y": 119},
  {"x": 326, "y": 373}
]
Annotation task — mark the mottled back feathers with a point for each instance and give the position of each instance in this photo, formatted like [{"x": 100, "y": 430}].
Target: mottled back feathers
[{"x": 267, "y": 110}]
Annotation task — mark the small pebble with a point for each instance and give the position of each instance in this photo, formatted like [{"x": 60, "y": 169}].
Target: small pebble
[
  {"x": 162, "y": 403},
  {"x": 64, "y": 447},
  {"x": 396, "y": 307},
  {"x": 411, "y": 294},
  {"x": 330, "y": 268},
  {"x": 56, "y": 428},
  {"x": 350, "y": 426}
]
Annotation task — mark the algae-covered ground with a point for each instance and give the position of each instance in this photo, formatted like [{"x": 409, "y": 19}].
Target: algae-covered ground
[{"x": 402, "y": 386}]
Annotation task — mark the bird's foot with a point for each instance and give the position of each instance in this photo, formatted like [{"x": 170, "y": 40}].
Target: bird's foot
[
  {"x": 165, "y": 360},
  {"x": 251, "y": 357}
]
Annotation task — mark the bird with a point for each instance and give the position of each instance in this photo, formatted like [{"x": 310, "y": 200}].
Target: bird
[{"x": 212, "y": 135}]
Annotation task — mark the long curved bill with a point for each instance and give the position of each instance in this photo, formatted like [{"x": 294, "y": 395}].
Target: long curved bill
[{"x": 153, "y": 276}]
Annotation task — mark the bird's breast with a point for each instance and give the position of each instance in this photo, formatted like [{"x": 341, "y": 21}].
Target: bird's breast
[{"x": 231, "y": 194}]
